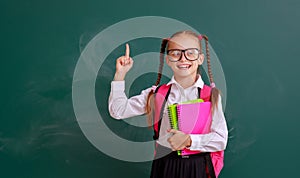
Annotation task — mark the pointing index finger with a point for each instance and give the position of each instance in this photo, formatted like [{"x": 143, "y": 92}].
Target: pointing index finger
[{"x": 127, "y": 51}]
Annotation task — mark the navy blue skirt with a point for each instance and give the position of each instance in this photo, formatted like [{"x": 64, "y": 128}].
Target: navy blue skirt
[{"x": 173, "y": 165}]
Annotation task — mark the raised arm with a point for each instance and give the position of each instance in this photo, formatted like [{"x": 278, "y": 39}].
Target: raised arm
[{"x": 120, "y": 106}]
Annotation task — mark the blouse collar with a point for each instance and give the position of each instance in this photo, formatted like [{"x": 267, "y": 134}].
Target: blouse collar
[{"x": 199, "y": 82}]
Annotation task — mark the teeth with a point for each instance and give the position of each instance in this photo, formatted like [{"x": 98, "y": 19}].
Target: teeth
[{"x": 184, "y": 66}]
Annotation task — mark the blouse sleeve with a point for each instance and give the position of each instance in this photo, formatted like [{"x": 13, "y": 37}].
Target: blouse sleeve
[
  {"x": 216, "y": 140},
  {"x": 121, "y": 107}
]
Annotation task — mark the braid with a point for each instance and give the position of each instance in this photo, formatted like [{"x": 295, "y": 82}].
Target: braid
[
  {"x": 214, "y": 91},
  {"x": 161, "y": 60},
  {"x": 150, "y": 102},
  {"x": 210, "y": 75}
]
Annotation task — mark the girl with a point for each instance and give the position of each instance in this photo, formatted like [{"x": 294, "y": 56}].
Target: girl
[{"x": 184, "y": 56}]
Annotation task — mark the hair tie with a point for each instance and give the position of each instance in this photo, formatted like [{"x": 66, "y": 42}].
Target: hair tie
[
  {"x": 213, "y": 85},
  {"x": 200, "y": 37}
]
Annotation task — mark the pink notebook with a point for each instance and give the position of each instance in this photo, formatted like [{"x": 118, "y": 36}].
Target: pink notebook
[{"x": 194, "y": 118}]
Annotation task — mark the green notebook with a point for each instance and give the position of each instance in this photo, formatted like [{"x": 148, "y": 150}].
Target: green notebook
[
  {"x": 172, "y": 110},
  {"x": 192, "y": 101},
  {"x": 173, "y": 116}
]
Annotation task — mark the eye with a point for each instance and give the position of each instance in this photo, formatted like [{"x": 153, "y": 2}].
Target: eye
[
  {"x": 175, "y": 53},
  {"x": 192, "y": 52}
]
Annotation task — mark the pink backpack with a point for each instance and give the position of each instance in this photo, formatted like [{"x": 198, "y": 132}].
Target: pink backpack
[{"x": 161, "y": 95}]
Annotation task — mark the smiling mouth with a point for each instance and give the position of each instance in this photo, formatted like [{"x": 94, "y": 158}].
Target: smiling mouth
[{"x": 184, "y": 66}]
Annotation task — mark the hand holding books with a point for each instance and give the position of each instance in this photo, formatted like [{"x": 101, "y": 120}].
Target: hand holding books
[{"x": 179, "y": 140}]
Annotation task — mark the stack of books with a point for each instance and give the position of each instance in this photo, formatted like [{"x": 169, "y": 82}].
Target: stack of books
[{"x": 190, "y": 117}]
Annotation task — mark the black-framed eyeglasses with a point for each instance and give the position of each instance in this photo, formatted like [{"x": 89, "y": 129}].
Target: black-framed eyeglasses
[{"x": 190, "y": 54}]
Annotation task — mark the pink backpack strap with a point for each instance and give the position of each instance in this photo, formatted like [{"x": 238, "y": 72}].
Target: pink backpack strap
[
  {"x": 217, "y": 159},
  {"x": 161, "y": 94},
  {"x": 205, "y": 93}
]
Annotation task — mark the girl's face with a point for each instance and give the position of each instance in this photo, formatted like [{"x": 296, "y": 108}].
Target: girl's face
[{"x": 184, "y": 67}]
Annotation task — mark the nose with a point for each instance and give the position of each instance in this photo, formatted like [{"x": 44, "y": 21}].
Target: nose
[{"x": 182, "y": 57}]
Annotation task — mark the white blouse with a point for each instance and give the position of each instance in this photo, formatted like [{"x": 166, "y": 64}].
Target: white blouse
[{"x": 121, "y": 107}]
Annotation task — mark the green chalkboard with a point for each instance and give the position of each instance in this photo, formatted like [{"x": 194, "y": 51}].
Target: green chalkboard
[{"x": 257, "y": 44}]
